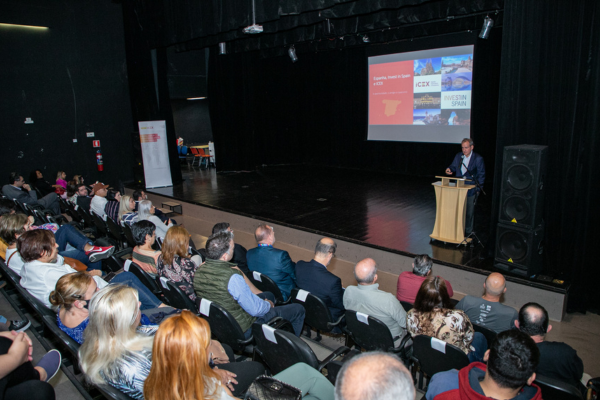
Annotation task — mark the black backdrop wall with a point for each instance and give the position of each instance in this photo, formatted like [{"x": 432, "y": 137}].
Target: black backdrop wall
[{"x": 69, "y": 79}]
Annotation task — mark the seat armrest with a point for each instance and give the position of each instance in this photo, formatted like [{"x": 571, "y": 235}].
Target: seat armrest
[
  {"x": 247, "y": 341},
  {"x": 338, "y": 352},
  {"x": 402, "y": 344},
  {"x": 336, "y": 323}
]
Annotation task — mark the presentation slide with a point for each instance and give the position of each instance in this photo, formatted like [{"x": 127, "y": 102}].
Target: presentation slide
[{"x": 421, "y": 96}]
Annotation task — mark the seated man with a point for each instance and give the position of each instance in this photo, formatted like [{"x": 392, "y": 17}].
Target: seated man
[
  {"x": 509, "y": 373},
  {"x": 558, "y": 360},
  {"x": 487, "y": 310},
  {"x": 111, "y": 209},
  {"x": 274, "y": 263},
  {"x": 43, "y": 268},
  {"x": 409, "y": 283},
  {"x": 313, "y": 277},
  {"x": 217, "y": 281},
  {"x": 99, "y": 200},
  {"x": 144, "y": 234},
  {"x": 83, "y": 250},
  {"x": 368, "y": 299},
  {"x": 22, "y": 192},
  {"x": 82, "y": 199},
  {"x": 239, "y": 253}
]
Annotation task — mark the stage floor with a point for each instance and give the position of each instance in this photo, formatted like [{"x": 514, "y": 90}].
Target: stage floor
[{"x": 383, "y": 210}]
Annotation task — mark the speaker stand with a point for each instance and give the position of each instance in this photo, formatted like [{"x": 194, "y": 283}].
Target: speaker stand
[{"x": 470, "y": 240}]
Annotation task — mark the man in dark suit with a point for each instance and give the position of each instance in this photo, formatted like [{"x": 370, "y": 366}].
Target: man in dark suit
[
  {"x": 476, "y": 170},
  {"x": 274, "y": 263},
  {"x": 313, "y": 277}
]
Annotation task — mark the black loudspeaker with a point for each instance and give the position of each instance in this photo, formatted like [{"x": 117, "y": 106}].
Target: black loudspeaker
[
  {"x": 519, "y": 250},
  {"x": 522, "y": 194}
]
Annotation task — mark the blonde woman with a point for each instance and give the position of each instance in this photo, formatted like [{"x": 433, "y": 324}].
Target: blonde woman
[{"x": 126, "y": 210}]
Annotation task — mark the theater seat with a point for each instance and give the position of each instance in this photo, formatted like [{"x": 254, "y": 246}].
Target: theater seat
[
  {"x": 317, "y": 314},
  {"x": 553, "y": 389},
  {"x": 223, "y": 326},
  {"x": 175, "y": 297},
  {"x": 266, "y": 284},
  {"x": 431, "y": 360}
]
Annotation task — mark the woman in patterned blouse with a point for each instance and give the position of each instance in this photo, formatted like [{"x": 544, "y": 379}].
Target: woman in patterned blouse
[
  {"x": 433, "y": 316},
  {"x": 175, "y": 263}
]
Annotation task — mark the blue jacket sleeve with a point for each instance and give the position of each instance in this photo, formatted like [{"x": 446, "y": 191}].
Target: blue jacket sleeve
[
  {"x": 455, "y": 163},
  {"x": 288, "y": 266},
  {"x": 442, "y": 382}
]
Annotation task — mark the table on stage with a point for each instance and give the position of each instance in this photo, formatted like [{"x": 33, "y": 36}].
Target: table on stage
[{"x": 451, "y": 202}]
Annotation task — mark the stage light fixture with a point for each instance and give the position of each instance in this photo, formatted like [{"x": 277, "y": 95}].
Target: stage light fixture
[
  {"x": 366, "y": 39},
  {"x": 488, "y": 24},
  {"x": 292, "y": 53},
  {"x": 23, "y": 26},
  {"x": 222, "y": 48}
]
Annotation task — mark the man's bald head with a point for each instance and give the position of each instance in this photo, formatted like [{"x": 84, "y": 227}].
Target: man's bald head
[
  {"x": 495, "y": 284},
  {"x": 365, "y": 271},
  {"x": 263, "y": 233},
  {"x": 374, "y": 376},
  {"x": 533, "y": 320},
  {"x": 325, "y": 246}
]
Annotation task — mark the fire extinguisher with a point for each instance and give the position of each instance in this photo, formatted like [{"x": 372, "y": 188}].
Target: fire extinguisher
[{"x": 99, "y": 161}]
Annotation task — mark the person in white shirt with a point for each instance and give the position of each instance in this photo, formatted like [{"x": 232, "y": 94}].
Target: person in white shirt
[
  {"x": 99, "y": 200},
  {"x": 146, "y": 212}
]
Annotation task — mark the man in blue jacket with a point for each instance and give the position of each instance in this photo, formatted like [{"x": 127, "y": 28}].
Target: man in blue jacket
[
  {"x": 314, "y": 277},
  {"x": 469, "y": 165},
  {"x": 274, "y": 263}
]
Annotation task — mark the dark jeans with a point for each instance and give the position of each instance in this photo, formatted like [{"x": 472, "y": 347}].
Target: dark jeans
[
  {"x": 67, "y": 234},
  {"x": 290, "y": 312},
  {"x": 246, "y": 371},
  {"x": 480, "y": 344},
  {"x": 50, "y": 202},
  {"x": 146, "y": 297},
  {"x": 24, "y": 381}
]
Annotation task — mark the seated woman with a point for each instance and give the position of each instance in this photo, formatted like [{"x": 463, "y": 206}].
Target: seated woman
[
  {"x": 146, "y": 213},
  {"x": 144, "y": 235},
  {"x": 61, "y": 179},
  {"x": 127, "y": 215},
  {"x": 175, "y": 263},
  {"x": 126, "y": 362},
  {"x": 433, "y": 316},
  {"x": 36, "y": 179},
  {"x": 180, "y": 366}
]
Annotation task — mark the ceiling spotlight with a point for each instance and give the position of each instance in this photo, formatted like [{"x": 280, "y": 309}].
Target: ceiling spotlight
[
  {"x": 292, "y": 53},
  {"x": 222, "y": 48},
  {"x": 366, "y": 39},
  {"x": 488, "y": 24},
  {"x": 254, "y": 28}
]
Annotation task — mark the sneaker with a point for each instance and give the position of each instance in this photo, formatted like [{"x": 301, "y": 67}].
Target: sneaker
[
  {"x": 51, "y": 363},
  {"x": 98, "y": 253},
  {"x": 19, "y": 326}
]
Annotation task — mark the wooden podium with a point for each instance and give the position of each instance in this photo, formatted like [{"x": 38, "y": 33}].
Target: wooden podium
[{"x": 451, "y": 201}]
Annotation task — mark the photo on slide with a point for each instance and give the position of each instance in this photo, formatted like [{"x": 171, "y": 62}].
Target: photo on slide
[
  {"x": 456, "y": 117},
  {"x": 458, "y": 81},
  {"x": 457, "y": 64},
  {"x": 428, "y": 66},
  {"x": 427, "y": 117},
  {"x": 427, "y": 100}
]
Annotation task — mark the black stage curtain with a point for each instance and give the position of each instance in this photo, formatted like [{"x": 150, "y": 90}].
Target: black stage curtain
[{"x": 549, "y": 89}]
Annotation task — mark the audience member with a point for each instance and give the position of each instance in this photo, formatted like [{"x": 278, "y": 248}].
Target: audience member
[
  {"x": 181, "y": 364},
  {"x": 81, "y": 197},
  {"x": 217, "y": 281},
  {"x": 239, "y": 253},
  {"x": 99, "y": 200},
  {"x": 19, "y": 379},
  {"x": 144, "y": 234},
  {"x": 22, "y": 192},
  {"x": 112, "y": 206},
  {"x": 140, "y": 195},
  {"x": 61, "y": 179},
  {"x": 409, "y": 283},
  {"x": 374, "y": 376},
  {"x": 126, "y": 213},
  {"x": 36, "y": 179},
  {"x": 175, "y": 263},
  {"x": 82, "y": 249},
  {"x": 274, "y": 263},
  {"x": 433, "y": 316},
  {"x": 487, "y": 310},
  {"x": 43, "y": 269},
  {"x": 314, "y": 277},
  {"x": 558, "y": 360},
  {"x": 146, "y": 213},
  {"x": 509, "y": 373},
  {"x": 368, "y": 299}
]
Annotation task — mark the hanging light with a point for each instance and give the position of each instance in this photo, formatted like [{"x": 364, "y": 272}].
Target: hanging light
[
  {"x": 366, "y": 39},
  {"x": 222, "y": 48},
  {"x": 488, "y": 24},
  {"x": 292, "y": 53}
]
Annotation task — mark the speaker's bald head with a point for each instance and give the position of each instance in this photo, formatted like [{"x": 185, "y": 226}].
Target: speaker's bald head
[{"x": 365, "y": 271}]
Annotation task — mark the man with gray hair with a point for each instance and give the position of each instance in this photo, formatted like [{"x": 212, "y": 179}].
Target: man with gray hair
[
  {"x": 409, "y": 282},
  {"x": 374, "y": 376},
  {"x": 314, "y": 277},
  {"x": 368, "y": 299},
  {"x": 487, "y": 310}
]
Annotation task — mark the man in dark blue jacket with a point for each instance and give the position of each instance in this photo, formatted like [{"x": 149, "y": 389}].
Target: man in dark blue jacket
[
  {"x": 469, "y": 165},
  {"x": 274, "y": 263},
  {"x": 313, "y": 277}
]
